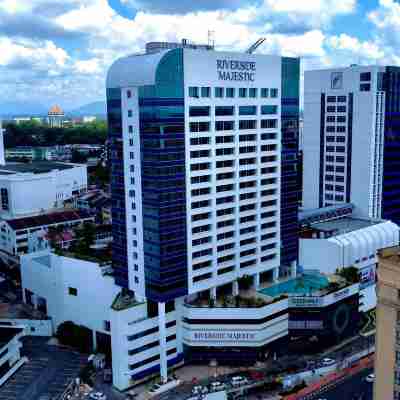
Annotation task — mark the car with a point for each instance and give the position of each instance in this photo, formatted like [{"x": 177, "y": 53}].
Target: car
[
  {"x": 326, "y": 362},
  {"x": 159, "y": 388},
  {"x": 370, "y": 378},
  {"x": 97, "y": 396},
  {"x": 239, "y": 381},
  {"x": 217, "y": 386},
  {"x": 198, "y": 389}
]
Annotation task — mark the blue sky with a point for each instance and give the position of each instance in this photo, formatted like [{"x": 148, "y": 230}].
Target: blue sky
[{"x": 58, "y": 51}]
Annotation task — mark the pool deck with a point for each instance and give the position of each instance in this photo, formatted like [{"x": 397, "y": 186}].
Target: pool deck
[{"x": 281, "y": 287}]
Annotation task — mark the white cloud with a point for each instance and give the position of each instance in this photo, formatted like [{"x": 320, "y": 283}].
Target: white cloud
[
  {"x": 91, "y": 66},
  {"x": 37, "y": 55},
  {"x": 328, "y": 7},
  {"x": 291, "y": 28},
  {"x": 387, "y": 15},
  {"x": 367, "y": 50}
]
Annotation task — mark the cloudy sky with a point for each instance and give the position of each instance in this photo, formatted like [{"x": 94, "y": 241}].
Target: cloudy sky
[{"x": 59, "y": 50}]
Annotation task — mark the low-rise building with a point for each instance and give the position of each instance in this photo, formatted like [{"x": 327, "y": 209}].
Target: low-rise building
[
  {"x": 95, "y": 202},
  {"x": 18, "y": 236},
  {"x": 39, "y": 153},
  {"x": 46, "y": 184},
  {"x": 72, "y": 289},
  {"x": 193, "y": 329},
  {"x": 332, "y": 239}
]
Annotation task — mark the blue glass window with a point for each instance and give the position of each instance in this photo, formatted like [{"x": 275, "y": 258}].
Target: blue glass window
[
  {"x": 219, "y": 92},
  {"x": 242, "y": 92},
  {"x": 253, "y": 93},
  {"x": 230, "y": 92},
  {"x": 224, "y": 110},
  {"x": 264, "y": 92},
  {"x": 193, "y": 91},
  {"x": 266, "y": 110},
  {"x": 274, "y": 93},
  {"x": 200, "y": 111},
  {"x": 205, "y": 92},
  {"x": 248, "y": 110},
  {"x": 269, "y": 123}
]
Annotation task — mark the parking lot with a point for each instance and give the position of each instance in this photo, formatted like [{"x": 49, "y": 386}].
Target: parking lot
[{"x": 47, "y": 373}]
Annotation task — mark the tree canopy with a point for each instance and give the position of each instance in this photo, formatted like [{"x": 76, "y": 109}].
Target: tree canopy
[{"x": 32, "y": 133}]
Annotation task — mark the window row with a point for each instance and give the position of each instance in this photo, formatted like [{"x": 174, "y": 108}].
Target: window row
[
  {"x": 231, "y": 151},
  {"x": 230, "y": 125},
  {"x": 230, "y": 92},
  {"x": 223, "y": 111}
]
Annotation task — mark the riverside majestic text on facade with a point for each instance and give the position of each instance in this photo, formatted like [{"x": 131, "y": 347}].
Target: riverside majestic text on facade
[{"x": 231, "y": 70}]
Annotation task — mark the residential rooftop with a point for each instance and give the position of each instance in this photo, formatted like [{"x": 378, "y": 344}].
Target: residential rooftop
[
  {"x": 48, "y": 219},
  {"x": 34, "y": 167},
  {"x": 310, "y": 216},
  {"x": 344, "y": 225}
]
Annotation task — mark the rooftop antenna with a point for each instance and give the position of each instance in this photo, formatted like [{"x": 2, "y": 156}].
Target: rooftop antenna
[
  {"x": 255, "y": 45},
  {"x": 211, "y": 38}
]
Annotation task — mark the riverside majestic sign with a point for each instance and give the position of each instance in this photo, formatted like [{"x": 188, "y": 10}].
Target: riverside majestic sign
[
  {"x": 223, "y": 335},
  {"x": 231, "y": 70}
]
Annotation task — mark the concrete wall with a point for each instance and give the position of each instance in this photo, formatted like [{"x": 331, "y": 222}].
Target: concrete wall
[
  {"x": 50, "y": 276},
  {"x": 221, "y": 335},
  {"x": 44, "y": 191}
]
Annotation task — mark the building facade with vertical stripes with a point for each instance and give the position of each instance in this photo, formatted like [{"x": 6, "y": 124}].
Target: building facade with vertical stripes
[
  {"x": 352, "y": 140},
  {"x": 204, "y": 184}
]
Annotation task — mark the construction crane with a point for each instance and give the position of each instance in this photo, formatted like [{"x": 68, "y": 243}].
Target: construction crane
[{"x": 255, "y": 45}]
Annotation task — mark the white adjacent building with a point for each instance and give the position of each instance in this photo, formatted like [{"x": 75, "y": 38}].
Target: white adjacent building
[
  {"x": 351, "y": 144},
  {"x": 47, "y": 185},
  {"x": 330, "y": 242}
]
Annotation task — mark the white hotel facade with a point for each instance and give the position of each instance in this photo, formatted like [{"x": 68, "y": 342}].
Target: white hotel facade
[{"x": 196, "y": 186}]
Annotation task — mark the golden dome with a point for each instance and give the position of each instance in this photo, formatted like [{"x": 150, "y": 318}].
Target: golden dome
[{"x": 56, "y": 110}]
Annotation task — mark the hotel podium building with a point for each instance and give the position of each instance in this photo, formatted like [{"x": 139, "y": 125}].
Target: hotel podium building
[{"x": 204, "y": 191}]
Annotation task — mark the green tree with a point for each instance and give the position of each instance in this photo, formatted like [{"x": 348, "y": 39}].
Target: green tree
[
  {"x": 245, "y": 282},
  {"x": 351, "y": 274}
]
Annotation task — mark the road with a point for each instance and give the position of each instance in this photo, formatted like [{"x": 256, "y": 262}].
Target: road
[
  {"x": 48, "y": 371},
  {"x": 355, "y": 388}
]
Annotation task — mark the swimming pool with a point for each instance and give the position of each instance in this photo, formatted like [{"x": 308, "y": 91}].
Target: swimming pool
[{"x": 302, "y": 285}]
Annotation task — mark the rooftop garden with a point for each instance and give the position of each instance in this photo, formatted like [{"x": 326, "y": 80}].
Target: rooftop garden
[
  {"x": 82, "y": 245},
  {"x": 124, "y": 300}
]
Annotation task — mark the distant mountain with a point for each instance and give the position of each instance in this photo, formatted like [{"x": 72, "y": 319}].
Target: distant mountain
[
  {"x": 96, "y": 108},
  {"x": 22, "y": 109}
]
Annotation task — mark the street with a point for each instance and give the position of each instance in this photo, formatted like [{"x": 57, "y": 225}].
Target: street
[
  {"x": 355, "y": 388},
  {"x": 48, "y": 371}
]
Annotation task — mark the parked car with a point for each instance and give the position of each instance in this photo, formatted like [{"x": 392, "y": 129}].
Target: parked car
[
  {"x": 159, "y": 388},
  {"x": 198, "y": 389},
  {"x": 239, "y": 381},
  {"x": 370, "y": 378},
  {"x": 97, "y": 396},
  {"x": 217, "y": 386},
  {"x": 326, "y": 362}
]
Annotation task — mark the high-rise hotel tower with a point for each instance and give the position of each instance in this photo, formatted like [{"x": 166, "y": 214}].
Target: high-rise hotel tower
[{"x": 204, "y": 179}]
